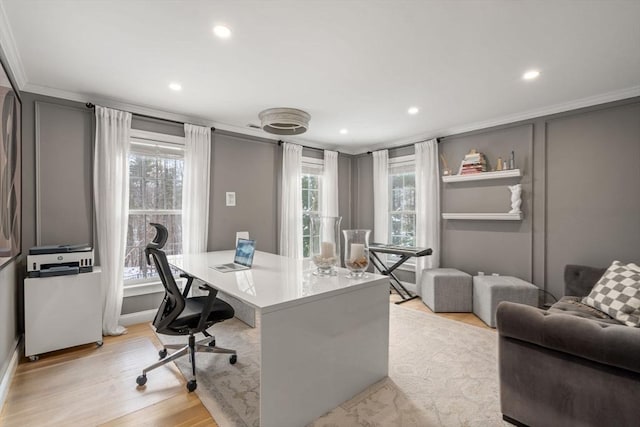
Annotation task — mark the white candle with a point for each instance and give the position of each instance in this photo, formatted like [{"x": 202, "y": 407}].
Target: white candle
[
  {"x": 357, "y": 251},
  {"x": 327, "y": 250}
]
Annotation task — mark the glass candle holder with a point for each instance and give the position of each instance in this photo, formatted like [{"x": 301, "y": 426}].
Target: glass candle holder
[
  {"x": 356, "y": 252},
  {"x": 325, "y": 244}
]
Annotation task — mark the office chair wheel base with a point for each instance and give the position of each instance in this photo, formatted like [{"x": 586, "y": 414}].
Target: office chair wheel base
[
  {"x": 212, "y": 343},
  {"x": 99, "y": 343},
  {"x": 34, "y": 358},
  {"x": 233, "y": 359},
  {"x": 141, "y": 380},
  {"x": 162, "y": 353},
  {"x": 192, "y": 385}
]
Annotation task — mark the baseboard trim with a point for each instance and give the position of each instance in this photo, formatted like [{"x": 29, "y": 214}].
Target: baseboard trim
[
  {"x": 137, "y": 317},
  {"x": 9, "y": 373}
]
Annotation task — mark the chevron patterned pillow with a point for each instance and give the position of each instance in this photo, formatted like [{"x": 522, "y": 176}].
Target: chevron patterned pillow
[{"x": 617, "y": 293}]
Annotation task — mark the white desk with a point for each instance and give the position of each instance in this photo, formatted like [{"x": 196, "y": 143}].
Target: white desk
[{"x": 323, "y": 340}]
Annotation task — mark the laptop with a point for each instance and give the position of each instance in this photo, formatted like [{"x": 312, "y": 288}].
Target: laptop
[{"x": 245, "y": 249}]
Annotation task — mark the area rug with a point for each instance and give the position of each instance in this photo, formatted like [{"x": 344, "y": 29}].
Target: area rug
[{"x": 441, "y": 373}]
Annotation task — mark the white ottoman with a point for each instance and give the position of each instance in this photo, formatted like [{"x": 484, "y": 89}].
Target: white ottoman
[
  {"x": 489, "y": 291},
  {"x": 446, "y": 290}
]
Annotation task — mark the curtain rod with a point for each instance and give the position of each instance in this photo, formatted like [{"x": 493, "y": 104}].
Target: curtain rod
[
  {"x": 280, "y": 142},
  {"x": 91, "y": 105},
  {"x": 438, "y": 140}
]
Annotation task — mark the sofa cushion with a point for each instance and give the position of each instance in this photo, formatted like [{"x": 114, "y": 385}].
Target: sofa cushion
[
  {"x": 575, "y": 307},
  {"x": 617, "y": 293},
  {"x": 611, "y": 344},
  {"x": 579, "y": 280}
]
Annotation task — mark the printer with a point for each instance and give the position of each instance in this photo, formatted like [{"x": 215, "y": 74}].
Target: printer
[{"x": 59, "y": 260}]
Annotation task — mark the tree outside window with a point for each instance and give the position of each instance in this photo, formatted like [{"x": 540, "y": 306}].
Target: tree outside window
[
  {"x": 155, "y": 195},
  {"x": 402, "y": 214},
  {"x": 310, "y": 207}
]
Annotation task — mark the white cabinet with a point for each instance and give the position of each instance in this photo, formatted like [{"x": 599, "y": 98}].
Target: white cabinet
[{"x": 61, "y": 312}]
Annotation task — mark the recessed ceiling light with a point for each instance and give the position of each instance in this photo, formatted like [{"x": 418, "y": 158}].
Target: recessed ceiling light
[
  {"x": 530, "y": 75},
  {"x": 222, "y": 31},
  {"x": 175, "y": 86},
  {"x": 344, "y": 131},
  {"x": 413, "y": 110}
]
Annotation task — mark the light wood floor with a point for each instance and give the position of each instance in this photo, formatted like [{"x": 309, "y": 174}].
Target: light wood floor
[
  {"x": 417, "y": 304},
  {"x": 96, "y": 386}
]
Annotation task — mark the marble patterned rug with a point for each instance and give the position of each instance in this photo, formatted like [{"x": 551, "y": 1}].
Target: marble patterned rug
[{"x": 441, "y": 373}]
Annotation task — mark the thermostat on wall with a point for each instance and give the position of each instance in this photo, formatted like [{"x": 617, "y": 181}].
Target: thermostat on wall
[{"x": 231, "y": 198}]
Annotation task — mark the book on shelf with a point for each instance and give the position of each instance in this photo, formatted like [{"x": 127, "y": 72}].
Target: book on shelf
[
  {"x": 473, "y": 162},
  {"x": 473, "y": 157}
]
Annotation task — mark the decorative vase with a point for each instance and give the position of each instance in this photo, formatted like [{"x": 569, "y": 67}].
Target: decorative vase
[
  {"x": 325, "y": 244},
  {"x": 356, "y": 252}
]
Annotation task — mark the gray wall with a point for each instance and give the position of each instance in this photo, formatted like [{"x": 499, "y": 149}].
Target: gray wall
[
  {"x": 593, "y": 189},
  {"x": 62, "y": 132},
  {"x": 64, "y": 157},
  {"x": 8, "y": 314},
  {"x": 581, "y": 199},
  {"x": 464, "y": 242},
  {"x": 247, "y": 167}
]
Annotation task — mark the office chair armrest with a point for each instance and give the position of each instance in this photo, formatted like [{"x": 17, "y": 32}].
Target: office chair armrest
[
  {"x": 208, "y": 305},
  {"x": 187, "y": 287}
]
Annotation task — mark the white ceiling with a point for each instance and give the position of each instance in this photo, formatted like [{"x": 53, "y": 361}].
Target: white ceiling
[{"x": 351, "y": 64}]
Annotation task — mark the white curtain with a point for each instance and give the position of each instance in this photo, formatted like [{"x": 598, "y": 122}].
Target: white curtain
[
  {"x": 111, "y": 199},
  {"x": 330, "y": 184},
  {"x": 291, "y": 203},
  {"x": 427, "y": 205},
  {"x": 195, "y": 188},
  {"x": 381, "y": 196}
]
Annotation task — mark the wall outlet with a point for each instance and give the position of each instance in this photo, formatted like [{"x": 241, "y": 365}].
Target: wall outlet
[{"x": 231, "y": 198}]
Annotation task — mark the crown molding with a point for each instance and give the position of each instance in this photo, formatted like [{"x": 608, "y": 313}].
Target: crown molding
[
  {"x": 512, "y": 118},
  {"x": 117, "y": 104},
  {"x": 8, "y": 46},
  {"x": 345, "y": 149},
  {"x": 160, "y": 114}
]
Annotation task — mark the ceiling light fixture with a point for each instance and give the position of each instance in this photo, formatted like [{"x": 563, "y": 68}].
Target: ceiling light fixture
[
  {"x": 284, "y": 121},
  {"x": 530, "y": 75},
  {"x": 344, "y": 131},
  {"x": 222, "y": 31},
  {"x": 413, "y": 110},
  {"x": 175, "y": 86}
]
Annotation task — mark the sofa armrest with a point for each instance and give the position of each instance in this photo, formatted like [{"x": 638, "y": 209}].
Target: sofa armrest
[
  {"x": 615, "y": 345},
  {"x": 580, "y": 279}
]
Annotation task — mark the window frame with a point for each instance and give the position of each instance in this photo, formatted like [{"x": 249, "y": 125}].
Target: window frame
[
  {"x": 169, "y": 144},
  {"x": 397, "y": 166}
]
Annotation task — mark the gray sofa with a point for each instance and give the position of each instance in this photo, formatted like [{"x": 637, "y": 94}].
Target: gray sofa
[{"x": 570, "y": 365}]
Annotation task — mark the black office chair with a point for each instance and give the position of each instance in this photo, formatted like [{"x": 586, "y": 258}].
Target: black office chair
[{"x": 179, "y": 315}]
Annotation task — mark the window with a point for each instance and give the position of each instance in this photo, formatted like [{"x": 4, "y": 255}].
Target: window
[
  {"x": 311, "y": 183},
  {"x": 402, "y": 202},
  {"x": 155, "y": 195}
]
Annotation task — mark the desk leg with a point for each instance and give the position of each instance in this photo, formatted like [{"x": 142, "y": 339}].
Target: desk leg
[{"x": 318, "y": 354}]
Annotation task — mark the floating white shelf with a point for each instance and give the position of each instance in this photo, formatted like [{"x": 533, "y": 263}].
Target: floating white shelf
[
  {"x": 484, "y": 216},
  {"x": 511, "y": 173}
]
